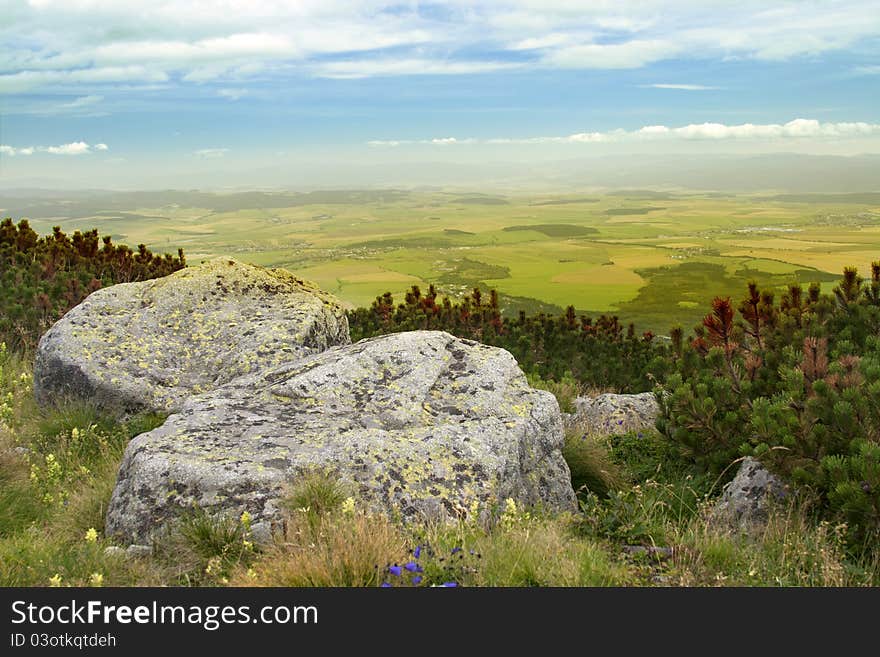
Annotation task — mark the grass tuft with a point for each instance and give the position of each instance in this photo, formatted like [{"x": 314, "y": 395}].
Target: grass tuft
[{"x": 593, "y": 469}]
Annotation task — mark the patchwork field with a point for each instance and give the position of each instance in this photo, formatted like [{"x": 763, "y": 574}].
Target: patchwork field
[{"x": 651, "y": 258}]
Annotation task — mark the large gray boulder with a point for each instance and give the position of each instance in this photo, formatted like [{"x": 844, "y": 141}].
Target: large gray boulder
[
  {"x": 746, "y": 500},
  {"x": 151, "y": 345},
  {"x": 419, "y": 424},
  {"x": 611, "y": 414}
]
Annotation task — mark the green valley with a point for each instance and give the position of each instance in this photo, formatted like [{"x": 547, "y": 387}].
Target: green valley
[{"x": 651, "y": 258}]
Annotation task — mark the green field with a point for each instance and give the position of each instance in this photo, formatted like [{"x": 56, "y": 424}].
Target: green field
[{"x": 650, "y": 258}]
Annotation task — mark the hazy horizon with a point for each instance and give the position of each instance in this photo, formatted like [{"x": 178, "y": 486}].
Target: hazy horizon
[{"x": 136, "y": 94}]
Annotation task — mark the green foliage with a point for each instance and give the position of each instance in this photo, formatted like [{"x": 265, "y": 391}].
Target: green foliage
[
  {"x": 626, "y": 516},
  {"x": 602, "y": 353},
  {"x": 791, "y": 550},
  {"x": 593, "y": 469},
  {"x": 566, "y": 390},
  {"x": 794, "y": 383},
  {"x": 41, "y": 278},
  {"x": 209, "y": 546},
  {"x": 316, "y": 494}
]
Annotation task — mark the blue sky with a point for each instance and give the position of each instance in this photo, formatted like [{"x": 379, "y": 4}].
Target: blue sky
[{"x": 120, "y": 90}]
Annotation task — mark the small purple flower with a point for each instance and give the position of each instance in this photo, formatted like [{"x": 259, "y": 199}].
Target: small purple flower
[
  {"x": 385, "y": 585},
  {"x": 450, "y": 585},
  {"x": 620, "y": 422},
  {"x": 418, "y": 551},
  {"x": 417, "y": 579},
  {"x": 413, "y": 567},
  {"x": 395, "y": 570},
  {"x": 456, "y": 549}
]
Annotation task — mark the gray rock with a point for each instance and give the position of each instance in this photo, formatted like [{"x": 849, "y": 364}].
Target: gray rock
[
  {"x": 151, "y": 345},
  {"x": 419, "y": 424},
  {"x": 114, "y": 552},
  {"x": 658, "y": 552},
  {"x": 611, "y": 414},
  {"x": 138, "y": 551},
  {"x": 745, "y": 500}
]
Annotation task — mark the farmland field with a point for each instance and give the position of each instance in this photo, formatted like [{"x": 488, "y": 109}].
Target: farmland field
[{"x": 653, "y": 259}]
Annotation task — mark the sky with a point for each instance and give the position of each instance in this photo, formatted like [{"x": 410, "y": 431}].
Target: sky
[{"x": 140, "y": 93}]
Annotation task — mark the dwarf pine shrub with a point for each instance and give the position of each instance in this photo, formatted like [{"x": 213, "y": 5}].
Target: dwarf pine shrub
[{"x": 794, "y": 383}]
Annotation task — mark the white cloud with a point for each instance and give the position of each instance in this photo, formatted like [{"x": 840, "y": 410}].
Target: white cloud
[
  {"x": 867, "y": 70},
  {"x": 363, "y": 68},
  {"x": 73, "y": 148},
  {"x": 629, "y": 54},
  {"x": 795, "y": 129},
  {"x": 681, "y": 87},
  {"x": 85, "y": 45},
  {"x": 82, "y": 101},
  {"x": 436, "y": 141},
  {"x": 232, "y": 94},
  {"x": 211, "y": 153},
  {"x": 33, "y": 79},
  {"x": 537, "y": 43}
]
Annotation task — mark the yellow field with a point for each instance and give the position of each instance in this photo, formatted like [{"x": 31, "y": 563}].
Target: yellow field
[{"x": 585, "y": 254}]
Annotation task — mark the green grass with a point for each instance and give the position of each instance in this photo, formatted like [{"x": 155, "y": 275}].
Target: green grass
[
  {"x": 555, "y": 230},
  {"x": 593, "y": 469}
]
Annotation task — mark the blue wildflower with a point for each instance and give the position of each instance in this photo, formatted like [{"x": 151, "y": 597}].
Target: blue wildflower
[
  {"x": 450, "y": 584},
  {"x": 418, "y": 551},
  {"x": 394, "y": 570},
  {"x": 413, "y": 567},
  {"x": 417, "y": 579},
  {"x": 456, "y": 549},
  {"x": 385, "y": 585}
]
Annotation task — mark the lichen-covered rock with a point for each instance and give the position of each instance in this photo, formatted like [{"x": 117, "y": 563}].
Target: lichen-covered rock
[
  {"x": 746, "y": 500},
  {"x": 421, "y": 424},
  {"x": 611, "y": 414},
  {"x": 150, "y": 345}
]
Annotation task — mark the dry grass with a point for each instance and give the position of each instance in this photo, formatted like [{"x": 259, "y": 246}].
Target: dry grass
[
  {"x": 340, "y": 550},
  {"x": 790, "y": 550}
]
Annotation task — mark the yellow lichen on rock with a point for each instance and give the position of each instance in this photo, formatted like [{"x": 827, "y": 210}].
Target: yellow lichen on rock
[{"x": 165, "y": 339}]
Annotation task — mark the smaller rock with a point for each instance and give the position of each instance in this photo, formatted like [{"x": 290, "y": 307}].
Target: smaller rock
[
  {"x": 659, "y": 553},
  {"x": 114, "y": 552},
  {"x": 611, "y": 414},
  {"x": 138, "y": 551},
  {"x": 261, "y": 533},
  {"x": 745, "y": 500}
]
